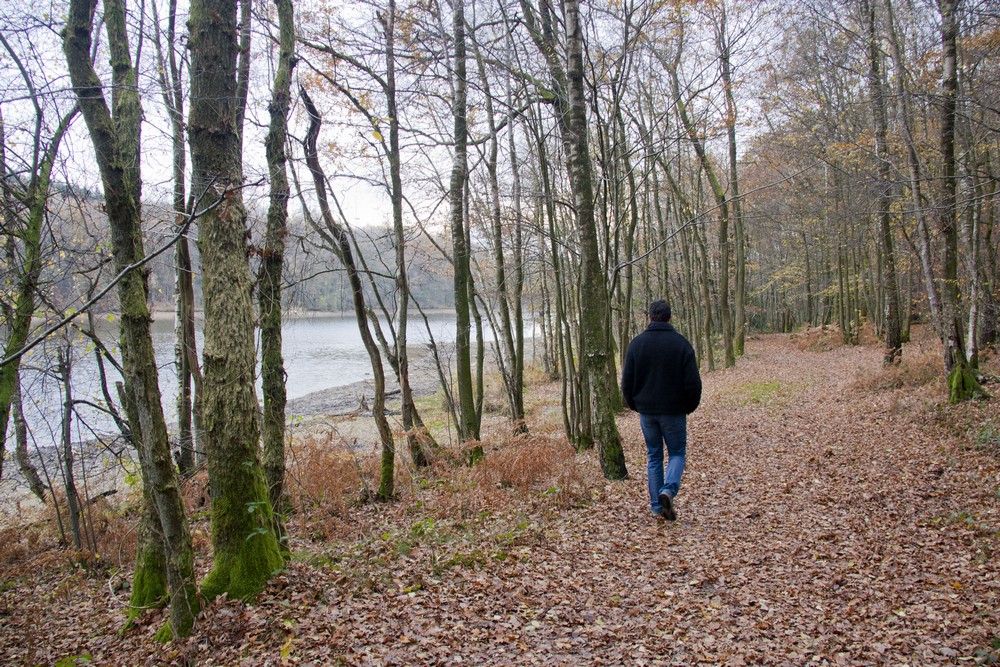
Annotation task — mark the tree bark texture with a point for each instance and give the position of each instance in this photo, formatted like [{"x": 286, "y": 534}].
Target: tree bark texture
[
  {"x": 270, "y": 272},
  {"x": 468, "y": 426},
  {"x": 246, "y": 551},
  {"x": 115, "y": 135}
]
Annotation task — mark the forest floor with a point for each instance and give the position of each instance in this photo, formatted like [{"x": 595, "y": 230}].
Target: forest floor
[{"x": 832, "y": 513}]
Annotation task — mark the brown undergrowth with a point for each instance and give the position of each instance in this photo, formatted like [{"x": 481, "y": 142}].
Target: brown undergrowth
[{"x": 834, "y": 512}]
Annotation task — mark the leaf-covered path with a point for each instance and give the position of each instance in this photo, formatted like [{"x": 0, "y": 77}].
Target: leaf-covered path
[{"x": 820, "y": 522}]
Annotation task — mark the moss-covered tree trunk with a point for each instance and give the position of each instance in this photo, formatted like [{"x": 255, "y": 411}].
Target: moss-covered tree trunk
[
  {"x": 269, "y": 274},
  {"x": 565, "y": 64},
  {"x": 115, "y": 135},
  {"x": 149, "y": 581},
  {"x": 595, "y": 319},
  {"x": 962, "y": 384},
  {"x": 246, "y": 552}
]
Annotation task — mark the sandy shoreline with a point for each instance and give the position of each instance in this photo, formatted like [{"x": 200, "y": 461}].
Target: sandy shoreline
[{"x": 350, "y": 399}]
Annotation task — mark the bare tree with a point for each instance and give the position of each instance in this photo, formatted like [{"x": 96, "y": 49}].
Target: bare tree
[
  {"x": 876, "y": 92},
  {"x": 115, "y": 132},
  {"x": 962, "y": 383},
  {"x": 24, "y": 210},
  {"x": 269, "y": 273},
  {"x": 567, "y": 80},
  {"x": 170, "y": 72}
]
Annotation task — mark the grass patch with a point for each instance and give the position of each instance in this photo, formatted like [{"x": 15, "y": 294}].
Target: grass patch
[
  {"x": 762, "y": 393},
  {"x": 987, "y": 437}
]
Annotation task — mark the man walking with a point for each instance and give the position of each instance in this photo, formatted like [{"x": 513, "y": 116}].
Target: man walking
[{"x": 660, "y": 381}]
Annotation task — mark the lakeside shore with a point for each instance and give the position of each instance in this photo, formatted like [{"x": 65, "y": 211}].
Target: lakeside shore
[{"x": 343, "y": 411}]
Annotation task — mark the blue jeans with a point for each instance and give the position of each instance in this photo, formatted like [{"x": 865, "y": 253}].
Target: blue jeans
[{"x": 657, "y": 429}]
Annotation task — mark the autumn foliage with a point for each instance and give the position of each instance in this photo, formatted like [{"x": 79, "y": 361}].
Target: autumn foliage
[{"x": 834, "y": 512}]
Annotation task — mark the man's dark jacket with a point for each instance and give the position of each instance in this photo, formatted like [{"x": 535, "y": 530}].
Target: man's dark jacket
[{"x": 660, "y": 376}]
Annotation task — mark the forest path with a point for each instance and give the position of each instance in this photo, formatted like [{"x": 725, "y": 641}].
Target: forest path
[{"x": 821, "y": 521}]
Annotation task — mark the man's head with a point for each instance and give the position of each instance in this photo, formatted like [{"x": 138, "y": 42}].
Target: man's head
[{"x": 659, "y": 311}]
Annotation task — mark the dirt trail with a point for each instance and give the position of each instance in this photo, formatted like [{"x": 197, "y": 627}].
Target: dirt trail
[
  {"x": 814, "y": 528},
  {"x": 819, "y": 523}
]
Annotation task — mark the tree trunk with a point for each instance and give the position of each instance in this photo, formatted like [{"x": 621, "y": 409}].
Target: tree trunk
[
  {"x": 66, "y": 442},
  {"x": 990, "y": 331},
  {"x": 270, "y": 272},
  {"x": 468, "y": 426},
  {"x": 246, "y": 551},
  {"x": 809, "y": 280},
  {"x": 417, "y": 435},
  {"x": 189, "y": 425},
  {"x": 739, "y": 298},
  {"x": 340, "y": 241},
  {"x": 593, "y": 288},
  {"x": 191, "y": 429},
  {"x": 149, "y": 582},
  {"x": 962, "y": 382},
  {"x": 954, "y": 354},
  {"x": 28, "y": 470},
  {"x": 509, "y": 360},
  {"x": 918, "y": 203},
  {"x": 518, "y": 287},
  {"x": 889, "y": 288},
  {"x": 598, "y": 386},
  {"x": 723, "y": 206},
  {"x": 116, "y": 144},
  {"x": 560, "y": 324},
  {"x": 22, "y": 310}
]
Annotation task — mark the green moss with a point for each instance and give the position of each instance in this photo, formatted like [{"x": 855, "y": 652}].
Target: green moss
[
  {"x": 149, "y": 583},
  {"x": 386, "y": 487},
  {"x": 760, "y": 393},
  {"x": 474, "y": 455},
  {"x": 164, "y": 634},
  {"x": 246, "y": 550},
  {"x": 470, "y": 560},
  {"x": 962, "y": 384}
]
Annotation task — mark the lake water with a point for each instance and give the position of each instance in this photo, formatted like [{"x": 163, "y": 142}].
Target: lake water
[{"x": 320, "y": 352}]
